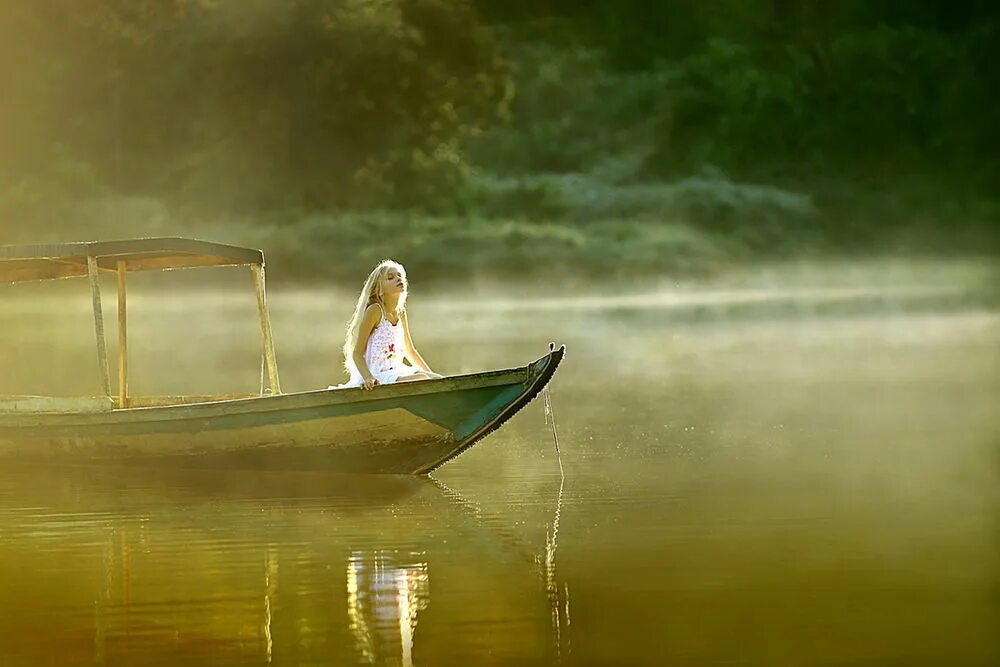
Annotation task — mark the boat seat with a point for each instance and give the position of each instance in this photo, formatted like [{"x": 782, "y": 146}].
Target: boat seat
[{"x": 56, "y": 404}]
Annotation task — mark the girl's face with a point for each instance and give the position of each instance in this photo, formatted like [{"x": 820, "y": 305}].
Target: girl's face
[{"x": 393, "y": 281}]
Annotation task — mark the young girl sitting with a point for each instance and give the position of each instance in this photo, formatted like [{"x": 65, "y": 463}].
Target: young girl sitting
[{"x": 378, "y": 335}]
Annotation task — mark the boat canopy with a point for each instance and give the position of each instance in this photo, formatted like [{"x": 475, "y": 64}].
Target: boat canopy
[{"x": 19, "y": 263}]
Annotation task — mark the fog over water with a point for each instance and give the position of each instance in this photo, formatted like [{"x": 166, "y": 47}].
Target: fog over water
[{"x": 798, "y": 465}]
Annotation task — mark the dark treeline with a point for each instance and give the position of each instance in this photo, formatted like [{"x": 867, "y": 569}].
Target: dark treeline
[
  {"x": 513, "y": 109},
  {"x": 764, "y": 85}
]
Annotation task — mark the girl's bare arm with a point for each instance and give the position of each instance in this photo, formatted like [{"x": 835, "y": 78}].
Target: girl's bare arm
[{"x": 411, "y": 349}]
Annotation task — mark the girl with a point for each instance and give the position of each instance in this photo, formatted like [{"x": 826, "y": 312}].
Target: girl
[{"x": 378, "y": 335}]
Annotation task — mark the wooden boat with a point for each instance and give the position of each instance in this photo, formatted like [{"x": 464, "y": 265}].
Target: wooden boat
[{"x": 407, "y": 428}]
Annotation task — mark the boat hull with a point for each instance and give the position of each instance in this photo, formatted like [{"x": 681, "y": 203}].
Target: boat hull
[{"x": 407, "y": 428}]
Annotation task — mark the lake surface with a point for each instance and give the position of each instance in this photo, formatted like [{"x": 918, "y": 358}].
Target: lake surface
[{"x": 753, "y": 476}]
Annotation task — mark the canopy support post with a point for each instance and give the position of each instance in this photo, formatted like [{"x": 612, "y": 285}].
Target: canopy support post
[
  {"x": 265, "y": 329},
  {"x": 122, "y": 339},
  {"x": 102, "y": 346}
]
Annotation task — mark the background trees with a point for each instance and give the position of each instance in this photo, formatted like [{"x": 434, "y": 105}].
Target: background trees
[{"x": 875, "y": 112}]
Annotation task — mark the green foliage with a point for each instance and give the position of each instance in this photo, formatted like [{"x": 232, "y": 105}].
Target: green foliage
[
  {"x": 572, "y": 110},
  {"x": 345, "y": 246},
  {"x": 767, "y": 91},
  {"x": 627, "y": 135},
  {"x": 884, "y": 98},
  {"x": 244, "y": 105},
  {"x": 50, "y": 194},
  {"x": 742, "y": 217}
]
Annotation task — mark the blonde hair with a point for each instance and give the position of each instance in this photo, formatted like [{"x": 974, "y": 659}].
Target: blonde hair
[{"x": 370, "y": 293}]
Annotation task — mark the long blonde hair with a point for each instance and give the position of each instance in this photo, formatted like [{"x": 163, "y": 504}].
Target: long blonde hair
[{"x": 370, "y": 293}]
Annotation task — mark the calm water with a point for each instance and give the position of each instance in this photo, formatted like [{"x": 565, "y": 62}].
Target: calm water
[{"x": 812, "y": 482}]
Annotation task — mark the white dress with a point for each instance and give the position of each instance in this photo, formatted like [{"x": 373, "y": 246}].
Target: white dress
[{"x": 384, "y": 354}]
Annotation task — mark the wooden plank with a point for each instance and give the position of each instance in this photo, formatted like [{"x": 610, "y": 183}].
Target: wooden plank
[
  {"x": 354, "y": 399},
  {"x": 49, "y": 404},
  {"x": 177, "y": 261},
  {"x": 26, "y": 270},
  {"x": 330, "y": 402},
  {"x": 129, "y": 249},
  {"x": 389, "y": 441},
  {"x": 265, "y": 328},
  {"x": 47, "y": 261},
  {"x": 161, "y": 401},
  {"x": 102, "y": 346},
  {"x": 122, "y": 339}
]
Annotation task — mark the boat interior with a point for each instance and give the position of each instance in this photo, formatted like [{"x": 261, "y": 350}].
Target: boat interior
[
  {"x": 24, "y": 263},
  {"x": 79, "y": 404}
]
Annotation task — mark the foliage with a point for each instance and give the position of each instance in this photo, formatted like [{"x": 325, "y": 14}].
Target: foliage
[
  {"x": 254, "y": 104},
  {"x": 345, "y": 246},
  {"x": 886, "y": 99},
  {"x": 628, "y": 135}
]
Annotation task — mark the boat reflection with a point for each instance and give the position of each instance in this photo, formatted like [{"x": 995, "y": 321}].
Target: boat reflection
[
  {"x": 491, "y": 528},
  {"x": 258, "y": 569},
  {"x": 385, "y": 591},
  {"x": 558, "y": 597}
]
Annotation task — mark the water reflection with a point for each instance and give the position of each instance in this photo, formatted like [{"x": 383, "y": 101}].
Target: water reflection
[
  {"x": 559, "y": 603},
  {"x": 270, "y": 588},
  {"x": 558, "y": 598},
  {"x": 510, "y": 542},
  {"x": 262, "y": 569},
  {"x": 385, "y": 591}
]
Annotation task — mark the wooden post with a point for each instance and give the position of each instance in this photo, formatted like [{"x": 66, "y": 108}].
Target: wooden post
[
  {"x": 265, "y": 329},
  {"x": 102, "y": 346},
  {"x": 122, "y": 340}
]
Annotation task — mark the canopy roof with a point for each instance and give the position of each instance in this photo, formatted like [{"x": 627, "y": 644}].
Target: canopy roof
[{"x": 65, "y": 260}]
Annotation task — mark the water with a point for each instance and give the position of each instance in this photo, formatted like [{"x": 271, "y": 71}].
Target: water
[{"x": 787, "y": 484}]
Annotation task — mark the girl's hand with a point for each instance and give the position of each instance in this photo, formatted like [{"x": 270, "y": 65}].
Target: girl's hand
[{"x": 369, "y": 383}]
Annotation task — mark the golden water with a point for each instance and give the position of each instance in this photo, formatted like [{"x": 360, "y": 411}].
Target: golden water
[{"x": 812, "y": 479}]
